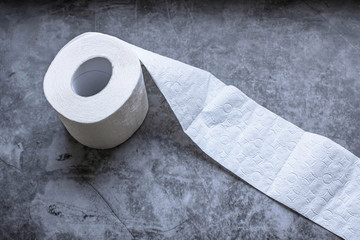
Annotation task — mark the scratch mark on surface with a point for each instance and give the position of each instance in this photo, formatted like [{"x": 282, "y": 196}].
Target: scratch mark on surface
[
  {"x": 170, "y": 21},
  {"x": 9, "y": 165},
  {"x": 331, "y": 25},
  {"x": 177, "y": 225},
  {"x": 95, "y": 21},
  {"x": 108, "y": 205},
  {"x": 136, "y": 18},
  {"x": 188, "y": 10}
]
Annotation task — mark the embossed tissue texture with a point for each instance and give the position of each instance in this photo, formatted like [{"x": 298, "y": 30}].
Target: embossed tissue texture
[{"x": 307, "y": 172}]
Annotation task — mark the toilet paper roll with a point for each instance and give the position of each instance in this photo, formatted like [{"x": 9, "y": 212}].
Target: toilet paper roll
[{"x": 95, "y": 84}]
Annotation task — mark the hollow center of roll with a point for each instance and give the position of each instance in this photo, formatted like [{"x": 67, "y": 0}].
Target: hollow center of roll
[{"x": 91, "y": 77}]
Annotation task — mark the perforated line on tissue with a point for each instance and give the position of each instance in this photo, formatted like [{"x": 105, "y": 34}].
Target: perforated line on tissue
[
  {"x": 327, "y": 206},
  {"x": 239, "y": 161}
]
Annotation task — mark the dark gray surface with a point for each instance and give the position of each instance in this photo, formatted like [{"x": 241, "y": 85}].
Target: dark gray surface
[{"x": 299, "y": 59}]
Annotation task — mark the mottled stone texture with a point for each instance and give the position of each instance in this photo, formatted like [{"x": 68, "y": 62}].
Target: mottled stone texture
[{"x": 299, "y": 59}]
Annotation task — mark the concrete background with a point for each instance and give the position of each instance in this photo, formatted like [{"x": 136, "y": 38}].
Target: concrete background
[{"x": 299, "y": 59}]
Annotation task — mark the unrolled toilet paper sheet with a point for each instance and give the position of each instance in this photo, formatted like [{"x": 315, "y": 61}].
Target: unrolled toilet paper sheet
[{"x": 307, "y": 172}]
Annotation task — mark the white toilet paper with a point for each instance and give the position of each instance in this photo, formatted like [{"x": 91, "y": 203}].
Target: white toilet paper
[{"x": 95, "y": 84}]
